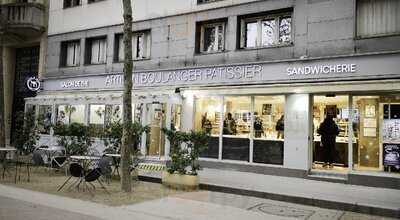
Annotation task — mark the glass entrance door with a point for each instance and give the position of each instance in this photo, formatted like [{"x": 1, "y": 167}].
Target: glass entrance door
[
  {"x": 156, "y": 118},
  {"x": 331, "y": 132}
]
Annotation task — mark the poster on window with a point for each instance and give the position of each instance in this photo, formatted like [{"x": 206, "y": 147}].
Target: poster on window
[{"x": 391, "y": 154}]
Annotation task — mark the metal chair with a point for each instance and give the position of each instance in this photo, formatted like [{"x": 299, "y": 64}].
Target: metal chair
[
  {"x": 59, "y": 162},
  {"x": 75, "y": 170},
  {"x": 94, "y": 175}
]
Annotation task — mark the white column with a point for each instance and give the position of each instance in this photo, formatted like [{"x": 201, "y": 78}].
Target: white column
[
  {"x": 297, "y": 132},
  {"x": 221, "y": 127},
  {"x": 187, "y": 111},
  {"x": 251, "y": 135}
]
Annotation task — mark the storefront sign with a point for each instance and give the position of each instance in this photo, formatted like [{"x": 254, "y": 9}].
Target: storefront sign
[
  {"x": 318, "y": 70},
  {"x": 321, "y": 69},
  {"x": 33, "y": 84},
  {"x": 75, "y": 84},
  {"x": 391, "y": 154},
  {"x": 249, "y": 72}
]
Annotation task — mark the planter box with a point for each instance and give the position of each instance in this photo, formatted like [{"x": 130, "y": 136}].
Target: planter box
[{"x": 179, "y": 181}]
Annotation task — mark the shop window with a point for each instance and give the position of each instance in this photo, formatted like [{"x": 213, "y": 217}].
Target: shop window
[
  {"x": 376, "y": 128},
  {"x": 331, "y": 132},
  {"x": 268, "y": 129},
  {"x": 71, "y": 3},
  {"x": 208, "y": 119},
  {"x": 67, "y": 114},
  {"x": 45, "y": 115},
  {"x": 211, "y": 37},
  {"x": 141, "y": 42},
  {"x": 70, "y": 53},
  {"x": 113, "y": 114},
  {"x": 97, "y": 115},
  {"x": 236, "y": 128},
  {"x": 266, "y": 31},
  {"x": 176, "y": 117},
  {"x": 377, "y": 18},
  {"x": 96, "y": 50}
]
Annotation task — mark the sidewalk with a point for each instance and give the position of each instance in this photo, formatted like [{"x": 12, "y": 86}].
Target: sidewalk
[{"x": 362, "y": 199}]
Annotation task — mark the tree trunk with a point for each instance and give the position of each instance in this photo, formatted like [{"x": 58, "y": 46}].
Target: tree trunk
[
  {"x": 127, "y": 141},
  {"x": 2, "y": 118}
]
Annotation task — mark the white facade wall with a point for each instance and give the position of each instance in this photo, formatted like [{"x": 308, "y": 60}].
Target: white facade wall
[{"x": 109, "y": 12}]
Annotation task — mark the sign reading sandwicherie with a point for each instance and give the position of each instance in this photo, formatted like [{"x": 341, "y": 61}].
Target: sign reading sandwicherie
[{"x": 321, "y": 69}]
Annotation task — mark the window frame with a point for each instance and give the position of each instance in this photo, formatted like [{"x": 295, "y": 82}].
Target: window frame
[
  {"x": 64, "y": 53},
  {"x": 65, "y": 6},
  {"x": 277, "y": 17},
  {"x": 215, "y": 24},
  {"x": 200, "y": 2},
  {"x": 89, "y": 48},
  {"x": 118, "y": 39}
]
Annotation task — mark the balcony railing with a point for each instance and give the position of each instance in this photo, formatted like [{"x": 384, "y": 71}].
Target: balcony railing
[{"x": 22, "y": 19}]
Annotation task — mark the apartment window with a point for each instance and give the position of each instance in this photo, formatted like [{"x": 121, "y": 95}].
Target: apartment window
[
  {"x": 70, "y": 53},
  {"x": 377, "y": 17},
  {"x": 266, "y": 31},
  {"x": 211, "y": 37},
  {"x": 140, "y": 46},
  {"x": 96, "y": 50},
  {"x": 94, "y": 1},
  {"x": 71, "y": 3}
]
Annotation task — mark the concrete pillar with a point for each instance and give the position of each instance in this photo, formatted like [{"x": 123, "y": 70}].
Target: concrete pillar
[
  {"x": 42, "y": 56},
  {"x": 187, "y": 111},
  {"x": 9, "y": 72},
  {"x": 297, "y": 131}
]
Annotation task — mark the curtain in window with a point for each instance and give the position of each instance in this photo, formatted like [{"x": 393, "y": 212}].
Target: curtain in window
[
  {"x": 377, "y": 17},
  {"x": 73, "y": 51},
  {"x": 98, "y": 51}
]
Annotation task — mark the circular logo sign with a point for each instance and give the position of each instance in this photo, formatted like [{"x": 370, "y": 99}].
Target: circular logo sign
[{"x": 33, "y": 84}]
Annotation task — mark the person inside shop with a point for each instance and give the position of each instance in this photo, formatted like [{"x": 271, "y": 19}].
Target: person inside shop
[
  {"x": 258, "y": 126},
  {"x": 280, "y": 127},
  {"x": 206, "y": 124},
  {"x": 229, "y": 125},
  {"x": 328, "y": 130}
]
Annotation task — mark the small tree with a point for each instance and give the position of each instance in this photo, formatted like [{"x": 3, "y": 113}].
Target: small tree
[
  {"x": 185, "y": 150},
  {"x": 27, "y": 131}
]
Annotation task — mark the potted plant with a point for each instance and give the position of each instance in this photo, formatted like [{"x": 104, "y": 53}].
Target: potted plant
[
  {"x": 75, "y": 138},
  {"x": 27, "y": 133},
  {"x": 185, "y": 150}
]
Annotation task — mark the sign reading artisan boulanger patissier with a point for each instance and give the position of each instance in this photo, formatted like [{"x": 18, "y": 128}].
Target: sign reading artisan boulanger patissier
[{"x": 343, "y": 68}]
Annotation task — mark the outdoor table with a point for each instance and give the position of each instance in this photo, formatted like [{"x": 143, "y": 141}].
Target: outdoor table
[
  {"x": 116, "y": 160},
  {"x": 85, "y": 162},
  {"x": 3, "y": 157}
]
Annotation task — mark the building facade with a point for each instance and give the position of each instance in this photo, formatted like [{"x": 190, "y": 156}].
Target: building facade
[
  {"x": 23, "y": 40},
  {"x": 259, "y": 76}
]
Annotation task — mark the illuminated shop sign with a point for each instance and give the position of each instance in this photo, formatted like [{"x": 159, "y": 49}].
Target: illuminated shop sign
[
  {"x": 202, "y": 74},
  {"x": 75, "y": 84},
  {"x": 321, "y": 69},
  {"x": 33, "y": 84}
]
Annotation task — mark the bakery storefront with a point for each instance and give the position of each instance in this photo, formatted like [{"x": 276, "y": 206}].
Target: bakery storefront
[{"x": 261, "y": 117}]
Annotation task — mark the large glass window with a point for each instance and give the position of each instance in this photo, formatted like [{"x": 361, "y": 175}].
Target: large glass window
[
  {"x": 96, "y": 50},
  {"x": 67, "y": 114},
  {"x": 96, "y": 119},
  {"x": 269, "y": 129},
  {"x": 70, "y": 53},
  {"x": 45, "y": 114},
  {"x": 141, "y": 42},
  {"x": 331, "y": 132},
  {"x": 376, "y": 128},
  {"x": 236, "y": 128},
  {"x": 207, "y": 118}
]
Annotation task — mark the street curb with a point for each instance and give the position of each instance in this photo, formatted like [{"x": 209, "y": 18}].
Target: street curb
[{"x": 364, "y": 209}]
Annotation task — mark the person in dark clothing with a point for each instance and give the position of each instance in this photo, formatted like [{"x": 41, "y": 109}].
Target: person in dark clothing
[
  {"x": 328, "y": 130},
  {"x": 280, "y": 127}
]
